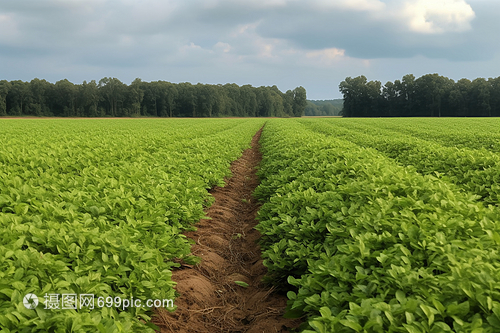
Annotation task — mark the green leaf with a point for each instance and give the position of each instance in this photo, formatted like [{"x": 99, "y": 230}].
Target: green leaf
[
  {"x": 401, "y": 297},
  {"x": 351, "y": 324},
  {"x": 318, "y": 326},
  {"x": 242, "y": 284},
  {"x": 153, "y": 326},
  {"x": 429, "y": 312},
  {"x": 410, "y": 318},
  {"x": 438, "y": 306},
  {"x": 460, "y": 310},
  {"x": 412, "y": 329},
  {"x": 325, "y": 312}
]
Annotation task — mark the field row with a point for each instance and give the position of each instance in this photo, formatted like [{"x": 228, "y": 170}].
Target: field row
[
  {"x": 368, "y": 245},
  {"x": 474, "y": 170},
  {"x": 98, "y": 207},
  {"x": 474, "y": 133},
  {"x": 370, "y": 225}
]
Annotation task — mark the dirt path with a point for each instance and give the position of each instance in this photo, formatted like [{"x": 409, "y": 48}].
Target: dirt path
[{"x": 210, "y": 300}]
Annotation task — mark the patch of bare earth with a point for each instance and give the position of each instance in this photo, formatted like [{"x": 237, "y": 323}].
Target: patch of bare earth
[{"x": 210, "y": 300}]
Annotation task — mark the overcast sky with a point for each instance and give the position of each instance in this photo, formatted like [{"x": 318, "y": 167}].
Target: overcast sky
[{"x": 315, "y": 43}]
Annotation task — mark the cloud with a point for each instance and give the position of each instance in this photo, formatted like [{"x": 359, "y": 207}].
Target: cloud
[
  {"x": 222, "y": 47},
  {"x": 356, "y": 5},
  {"x": 371, "y": 29},
  {"x": 326, "y": 57},
  {"x": 244, "y": 41},
  {"x": 431, "y": 16},
  {"x": 363, "y": 28}
]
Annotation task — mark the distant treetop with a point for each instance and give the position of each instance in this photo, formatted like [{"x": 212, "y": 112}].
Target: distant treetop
[
  {"x": 430, "y": 95},
  {"x": 324, "y": 107},
  {"x": 111, "y": 98}
]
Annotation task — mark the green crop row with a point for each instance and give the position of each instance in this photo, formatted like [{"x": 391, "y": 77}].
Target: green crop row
[
  {"x": 476, "y": 171},
  {"x": 472, "y": 133},
  {"x": 366, "y": 245},
  {"x": 98, "y": 207}
]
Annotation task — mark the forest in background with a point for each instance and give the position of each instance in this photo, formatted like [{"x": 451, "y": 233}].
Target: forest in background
[
  {"x": 112, "y": 98},
  {"x": 430, "y": 95},
  {"x": 324, "y": 107}
]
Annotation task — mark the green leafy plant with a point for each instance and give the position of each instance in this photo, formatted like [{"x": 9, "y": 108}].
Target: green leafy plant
[
  {"x": 242, "y": 284},
  {"x": 368, "y": 243},
  {"x": 99, "y": 206}
]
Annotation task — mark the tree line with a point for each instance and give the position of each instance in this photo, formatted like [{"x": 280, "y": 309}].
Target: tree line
[
  {"x": 112, "y": 98},
  {"x": 324, "y": 107},
  {"x": 430, "y": 95}
]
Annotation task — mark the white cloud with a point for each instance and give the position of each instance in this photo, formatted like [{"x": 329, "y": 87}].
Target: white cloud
[
  {"x": 263, "y": 4},
  {"x": 421, "y": 16},
  {"x": 438, "y": 16},
  {"x": 245, "y": 28},
  {"x": 356, "y": 5},
  {"x": 326, "y": 57},
  {"x": 222, "y": 47},
  {"x": 190, "y": 47}
]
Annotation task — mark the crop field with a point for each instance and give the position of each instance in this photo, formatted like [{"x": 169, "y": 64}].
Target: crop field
[
  {"x": 386, "y": 225},
  {"x": 98, "y": 207},
  {"x": 368, "y": 225}
]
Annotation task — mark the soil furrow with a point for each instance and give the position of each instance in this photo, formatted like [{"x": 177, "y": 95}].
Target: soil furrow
[{"x": 210, "y": 300}]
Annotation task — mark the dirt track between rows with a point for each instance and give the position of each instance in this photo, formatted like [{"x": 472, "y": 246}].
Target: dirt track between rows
[{"x": 210, "y": 300}]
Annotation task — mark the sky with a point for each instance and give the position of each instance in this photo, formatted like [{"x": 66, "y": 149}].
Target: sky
[{"x": 288, "y": 43}]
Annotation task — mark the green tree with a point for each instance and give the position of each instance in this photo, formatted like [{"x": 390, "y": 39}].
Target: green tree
[
  {"x": 149, "y": 106},
  {"x": 495, "y": 96},
  {"x": 233, "y": 102},
  {"x": 135, "y": 96},
  {"x": 266, "y": 103},
  {"x": 480, "y": 97},
  {"x": 391, "y": 99},
  {"x": 206, "y": 99},
  {"x": 186, "y": 100},
  {"x": 361, "y": 98},
  {"x": 18, "y": 97},
  {"x": 88, "y": 99},
  {"x": 65, "y": 94},
  {"x": 4, "y": 91},
  {"x": 288, "y": 103},
  {"x": 220, "y": 108},
  {"x": 373, "y": 99},
  {"x": 324, "y": 108},
  {"x": 277, "y": 104},
  {"x": 170, "y": 96},
  {"x": 353, "y": 90},
  {"x": 407, "y": 88},
  {"x": 299, "y": 101},
  {"x": 248, "y": 100},
  {"x": 459, "y": 98},
  {"x": 40, "y": 90},
  {"x": 431, "y": 92},
  {"x": 113, "y": 91}
]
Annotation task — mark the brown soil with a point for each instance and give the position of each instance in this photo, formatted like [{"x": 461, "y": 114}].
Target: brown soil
[{"x": 210, "y": 300}]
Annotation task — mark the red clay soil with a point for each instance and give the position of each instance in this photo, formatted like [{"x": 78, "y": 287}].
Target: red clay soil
[{"x": 210, "y": 300}]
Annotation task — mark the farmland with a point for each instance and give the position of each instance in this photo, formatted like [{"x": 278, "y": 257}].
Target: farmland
[
  {"x": 383, "y": 225},
  {"x": 98, "y": 207},
  {"x": 368, "y": 225}
]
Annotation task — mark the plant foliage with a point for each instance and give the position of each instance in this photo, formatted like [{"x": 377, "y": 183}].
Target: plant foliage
[
  {"x": 366, "y": 244},
  {"x": 98, "y": 207}
]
